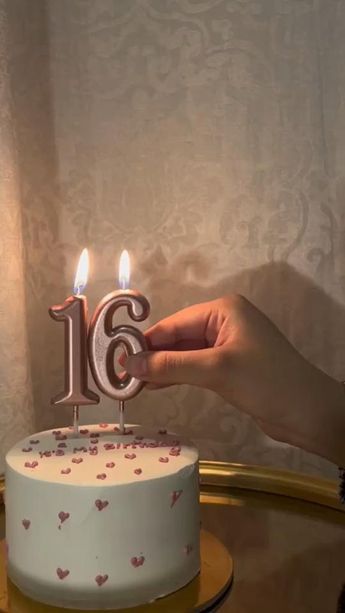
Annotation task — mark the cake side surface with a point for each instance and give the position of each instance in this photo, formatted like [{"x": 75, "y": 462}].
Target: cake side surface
[{"x": 117, "y": 540}]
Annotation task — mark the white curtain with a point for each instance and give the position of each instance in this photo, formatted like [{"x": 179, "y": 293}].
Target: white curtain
[{"x": 205, "y": 136}]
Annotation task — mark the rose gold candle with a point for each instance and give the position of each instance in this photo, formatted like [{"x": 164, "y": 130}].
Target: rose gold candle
[
  {"x": 73, "y": 313},
  {"x": 105, "y": 338}
]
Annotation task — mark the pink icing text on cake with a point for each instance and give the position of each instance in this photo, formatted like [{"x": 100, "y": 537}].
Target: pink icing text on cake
[{"x": 31, "y": 464}]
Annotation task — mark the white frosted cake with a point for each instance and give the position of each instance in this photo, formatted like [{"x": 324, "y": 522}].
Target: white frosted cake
[{"x": 103, "y": 520}]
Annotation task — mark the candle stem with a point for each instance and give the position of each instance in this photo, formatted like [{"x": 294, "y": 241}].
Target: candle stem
[
  {"x": 76, "y": 420},
  {"x": 122, "y": 416}
]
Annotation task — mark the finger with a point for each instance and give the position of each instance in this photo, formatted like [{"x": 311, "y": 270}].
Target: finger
[
  {"x": 171, "y": 367},
  {"x": 191, "y": 323}
]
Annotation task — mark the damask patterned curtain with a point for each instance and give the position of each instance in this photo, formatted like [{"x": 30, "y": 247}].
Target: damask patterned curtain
[{"x": 205, "y": 136}]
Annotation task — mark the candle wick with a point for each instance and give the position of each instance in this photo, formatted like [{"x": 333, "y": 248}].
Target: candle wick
[
  {"x": 76, "y": 420},
  {"x": 122, "y": 416}
]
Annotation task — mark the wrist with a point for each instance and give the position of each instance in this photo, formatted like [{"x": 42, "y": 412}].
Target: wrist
[{"x": 323, "y": 423}]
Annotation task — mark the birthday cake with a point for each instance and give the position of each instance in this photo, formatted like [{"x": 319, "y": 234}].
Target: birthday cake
[{"x": 102, "y": 520}]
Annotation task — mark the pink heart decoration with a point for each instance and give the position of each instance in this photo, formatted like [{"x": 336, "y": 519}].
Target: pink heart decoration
[
  {"x": 60, "y": 445},
  {"x": 102, "y": 476},
  {"x": 165, "y": 460},
  {"x": 94, "y": 434},
  {"x": 59, "y": 452},
  {"x": 130, "y": 456},
  {"x": 26, "y": 523},
  {"x": 77, "y": 460},
  {"x": 27, "y": 449},
  {"x": 31, "y": 464},
  {"x": 45, "y": 454},
  {"x": 174, "y": 452},
  {"x": 76, "y": 449},
  {"x": 103, "y": 425},
  {"x": 34, "y": 442},
  {"x": 63, "y": 516},
  {"x": 65, "y": 471},
  {"x": 109, "y": 446},
  {"x": 175, "y": 496},
  {"x": 94, "y": 441},
  {"x": 56, "y": 432},
  {"x": 62, "y": 574},
  {"x": 138, "y": 471},
  {"x": 84, "y": 431},
  {"x": 101, "y": 504},
  {"x": 100, "y": 579},
  {"x": 137, "y": 561},
  {"x": 110, "y": 464},
  {"x": 93, "y": 451}
]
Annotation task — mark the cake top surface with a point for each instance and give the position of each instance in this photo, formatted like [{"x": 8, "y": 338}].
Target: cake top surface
[{"x": 101, "y": 455}]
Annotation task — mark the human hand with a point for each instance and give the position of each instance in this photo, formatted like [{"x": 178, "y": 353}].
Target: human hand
[{"x": 232, "y": 348}]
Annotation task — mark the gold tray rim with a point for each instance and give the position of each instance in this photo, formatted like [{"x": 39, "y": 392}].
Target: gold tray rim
[
  {"x": 268, "y": 480},
  {"x": 229, "y": 476}
]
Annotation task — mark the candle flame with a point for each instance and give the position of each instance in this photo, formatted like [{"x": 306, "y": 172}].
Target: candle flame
[
  {"x": 124, "y": 270},
  {"x": 82, "y": 273}
]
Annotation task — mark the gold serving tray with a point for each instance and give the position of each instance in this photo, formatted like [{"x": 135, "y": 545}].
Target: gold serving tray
[{"x": 305, "y": 488}]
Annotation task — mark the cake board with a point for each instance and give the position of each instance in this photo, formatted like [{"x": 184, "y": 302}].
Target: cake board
[{"x": 205, "y": 593}]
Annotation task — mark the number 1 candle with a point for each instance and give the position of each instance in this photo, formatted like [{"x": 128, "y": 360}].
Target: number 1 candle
[{"x": 73, "y": 313}]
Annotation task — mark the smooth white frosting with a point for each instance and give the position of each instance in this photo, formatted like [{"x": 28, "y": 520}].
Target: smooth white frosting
[{"x": 120, "y": 513}]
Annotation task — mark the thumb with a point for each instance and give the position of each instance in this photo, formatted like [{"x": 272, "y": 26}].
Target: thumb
[{"x": 197, "y": 367}]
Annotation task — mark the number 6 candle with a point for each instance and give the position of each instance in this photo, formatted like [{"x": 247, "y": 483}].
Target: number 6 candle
[
  {"x": 73, "y": 313},
  {"x": 105, "y": 338}
]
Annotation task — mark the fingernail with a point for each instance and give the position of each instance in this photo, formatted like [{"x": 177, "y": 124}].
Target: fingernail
[{"x": 135, "y": 365}]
